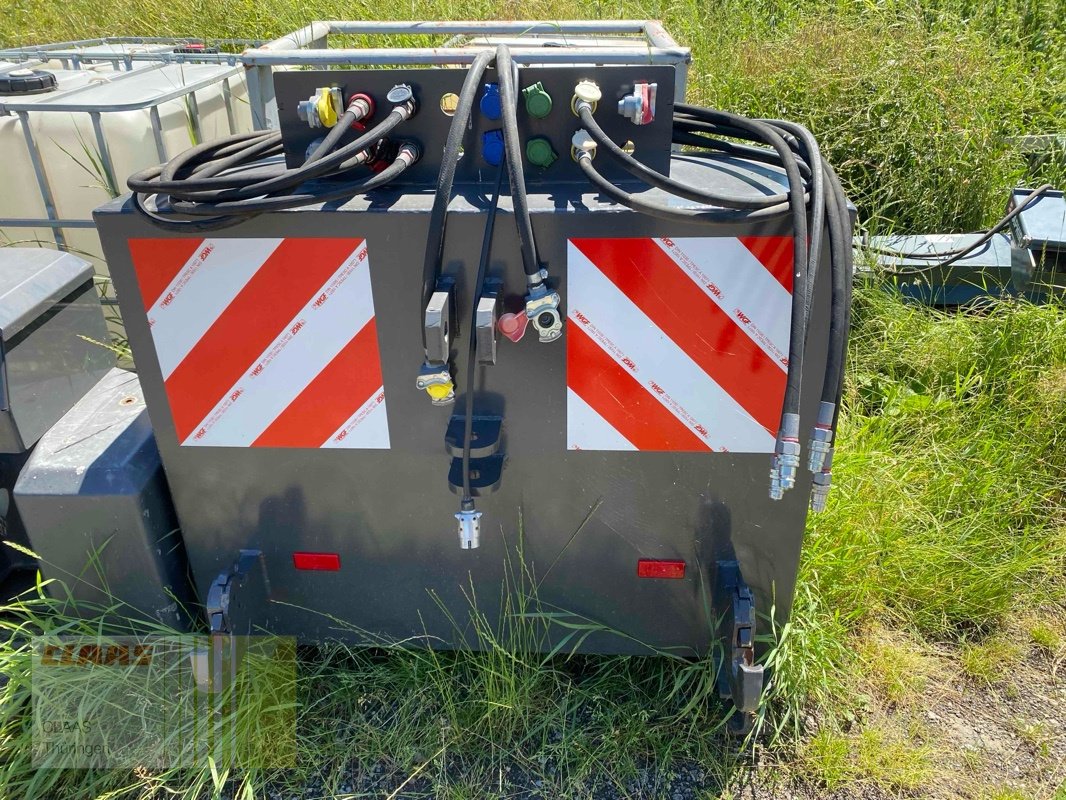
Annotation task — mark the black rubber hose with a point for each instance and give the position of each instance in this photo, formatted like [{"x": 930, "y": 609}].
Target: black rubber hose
[
  {"x": 194, "y": 175},
  {"x": 837, "y": 193},
  {"x": 347, "y": 119},
  {"x": 408, "y": 154},
  {"x": 660, "y": 181},
  {"x": 243, "y": 210},
  {"x": 839, "y": 244},
  {"x": 515, "y": 176},
  {"x": 747, "y": 152},
  {"x": 438, "y": 215},
  {"x": 797, "y": 205},
  {"x": 471, "y": 358},
  {"x": 711, "y": 216},
  {"x": 812, "y": 154}
]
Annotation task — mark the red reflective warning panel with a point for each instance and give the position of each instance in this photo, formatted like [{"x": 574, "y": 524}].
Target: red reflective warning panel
[
  {"x": 654, "y": 568},
  {"x": 324, "y": 562}
]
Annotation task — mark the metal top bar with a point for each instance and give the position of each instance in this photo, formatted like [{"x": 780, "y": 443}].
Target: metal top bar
[
  {"x": 483, "y": 27},
  {"x": 136, "y": 105},
  {"x": 74, "y": 50},
  {"x": 460, "y": 55},
  {"x": 655, "y": 45}
]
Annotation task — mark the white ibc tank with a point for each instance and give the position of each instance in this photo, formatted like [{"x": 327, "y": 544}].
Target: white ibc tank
[{"x": 91, "y": 129}]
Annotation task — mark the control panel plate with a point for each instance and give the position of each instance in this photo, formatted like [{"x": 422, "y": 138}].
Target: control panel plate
[{"x": 650, "y": 142}]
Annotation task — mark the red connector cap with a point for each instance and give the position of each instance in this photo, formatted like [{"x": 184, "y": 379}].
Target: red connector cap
[{"x": 513, "y": 326}]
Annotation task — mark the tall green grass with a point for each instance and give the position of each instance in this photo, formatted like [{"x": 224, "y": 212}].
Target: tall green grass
[
  {"x": 915, "y": 102},
  {"x": 950, "y": 505}
]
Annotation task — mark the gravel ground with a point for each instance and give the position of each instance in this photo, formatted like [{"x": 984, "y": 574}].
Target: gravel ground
[{"x": 1011, "y": 736}]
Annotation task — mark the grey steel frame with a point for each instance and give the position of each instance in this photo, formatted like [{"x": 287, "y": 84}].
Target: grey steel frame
[
  {"x": 23, "y": 109},
  {"x": 308, "y": 47},
  {"x": 72, "y": 54}
]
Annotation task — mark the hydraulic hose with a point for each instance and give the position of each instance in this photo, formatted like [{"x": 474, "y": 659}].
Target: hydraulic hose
[
  {"x": 515, "y": 176},
  {"x": 226, "y": 214},
  {"x": 711, "y": 216},
  {"x": 231, "y": 179},
  {"x": 178, "y": 180},
  {"x": 438, "y": 215},
  {"x": 660, "y": 181},
  {"x": 812, "y": 154},
  {"x": 467, "y": 502}
]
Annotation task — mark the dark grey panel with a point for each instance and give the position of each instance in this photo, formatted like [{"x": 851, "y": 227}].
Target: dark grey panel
[
  {"x": 389, "y": 513},
  {"x": 429, "y": 127},
  {"x": 97, "y": 509}
]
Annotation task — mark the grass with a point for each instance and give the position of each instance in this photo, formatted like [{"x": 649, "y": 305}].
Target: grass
[
  {"x": 883, "y": 757},
  {"x": 949, "y": 512}
]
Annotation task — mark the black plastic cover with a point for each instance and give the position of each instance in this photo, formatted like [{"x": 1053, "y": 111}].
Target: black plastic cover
[{"x": 27, "y": 81}]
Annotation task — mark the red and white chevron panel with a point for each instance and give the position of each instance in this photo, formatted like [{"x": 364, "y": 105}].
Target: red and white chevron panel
[
  {"x": 677, "y": 344},
  {"x": 265, "y": 342}
]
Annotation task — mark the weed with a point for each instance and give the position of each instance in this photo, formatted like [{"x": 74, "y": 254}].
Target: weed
[
  {"x": 990, "y": 659},
  {"x": 1046, "y": 636},
  {"x": 893, "y": 665},
  {"x": 877, "y": 755},
  {"x": 1038, "y": 735}
]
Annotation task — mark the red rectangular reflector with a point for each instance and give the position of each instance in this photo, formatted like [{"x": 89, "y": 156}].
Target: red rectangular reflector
[
  {"x": 326, "y": 562},
  {"x": 655, "y": 568}
]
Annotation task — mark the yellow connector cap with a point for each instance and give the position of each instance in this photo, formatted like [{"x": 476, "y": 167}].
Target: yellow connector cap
[{"x": 438, "y": 391}]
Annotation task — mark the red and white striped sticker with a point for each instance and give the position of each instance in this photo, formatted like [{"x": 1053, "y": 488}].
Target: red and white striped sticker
[
  {"x": 677, "y": 344},
  {"x": 265, "y": 342}
]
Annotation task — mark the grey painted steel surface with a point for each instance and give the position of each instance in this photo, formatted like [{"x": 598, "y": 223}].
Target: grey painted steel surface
[
  {"x": 652, "y": 44},
  {"x": 97, "y": 510},
  {"x": 389, "y": 513},
  {"x": 48, "y": 308},
  {"x": 994, "y": 270}
]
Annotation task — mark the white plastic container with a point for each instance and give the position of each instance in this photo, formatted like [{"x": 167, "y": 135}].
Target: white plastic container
[{"x": 96, "y": 128}]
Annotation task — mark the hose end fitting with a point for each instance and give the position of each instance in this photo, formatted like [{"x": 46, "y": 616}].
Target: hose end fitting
[
  {"x": 822, "y": 482},
  {"x": 786, "y": 454},
  {"x": 586, "y": 92},
  {"x": 362, "y": 105},
  {"x": 582, "y": 145},
  {"x": 469, "y": 526},
  {"x": 409, "y": 153},
  {"x": 821, "y": 440},
  {"x": 403, "y": 99}
]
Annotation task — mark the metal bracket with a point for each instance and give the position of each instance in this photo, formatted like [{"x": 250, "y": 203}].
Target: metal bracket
[
  {"x": 437, "y": 324},
  {"x": 212, "y": 665},
  {"x": 743, "y": 681},
  {"x": 485, "y": 475},
  {"x": 484, "y": 436},
  {"x": 488, "y": 312}
]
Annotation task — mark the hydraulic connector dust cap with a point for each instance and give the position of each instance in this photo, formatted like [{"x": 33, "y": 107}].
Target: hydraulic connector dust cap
[
  {"x": 492, "y": 147},
  {"x": 538, "y": 101},
  {"x": 540, "y": 153},
  {"x": 490, "y": 102}
]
